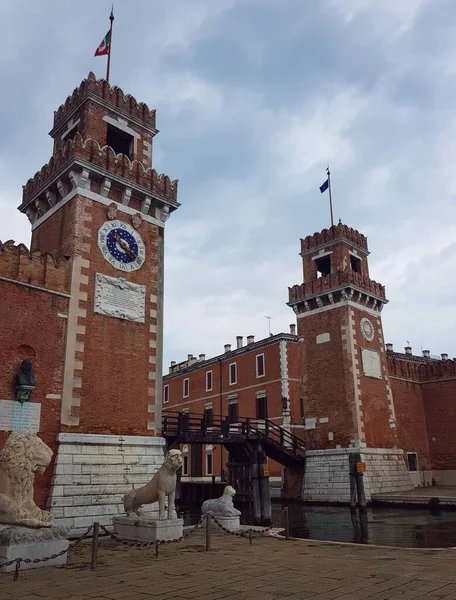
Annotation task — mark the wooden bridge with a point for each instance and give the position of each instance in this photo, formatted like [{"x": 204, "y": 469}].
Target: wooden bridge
[
  {"x": 241, "y": 439},
  {"x": 248, "y": 441}
]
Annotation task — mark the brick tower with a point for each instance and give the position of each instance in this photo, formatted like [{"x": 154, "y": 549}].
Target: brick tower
[
  {"x": 347, "y": 396},
  {"x": 99, "y": 203}
]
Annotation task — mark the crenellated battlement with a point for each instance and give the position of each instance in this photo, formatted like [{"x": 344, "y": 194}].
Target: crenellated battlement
[
  {"x": 105, "y": 161},
  {"x": 112, "y": 95},
  {"x": 34, "y": 268},
  {"x": 419, "y": 369},
  {"x": 336, "y": 232},
  {"x": 334, "y": 281}
]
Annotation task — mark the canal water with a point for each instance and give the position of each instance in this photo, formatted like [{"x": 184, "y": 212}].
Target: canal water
[{"x": 385, "y": 526}]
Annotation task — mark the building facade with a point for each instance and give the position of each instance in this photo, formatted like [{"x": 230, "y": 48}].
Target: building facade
[
  {"x": 86, "y": 304},
  {"x": 256, "y": 379},
  {"x": 347, "y": 391}
]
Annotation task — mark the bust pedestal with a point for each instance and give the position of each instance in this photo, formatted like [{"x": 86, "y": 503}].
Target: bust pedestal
[
  {"x": 230, "y": 523},
  {"x": 147, "y": 529},
  {"x": 25, "y": 542}
]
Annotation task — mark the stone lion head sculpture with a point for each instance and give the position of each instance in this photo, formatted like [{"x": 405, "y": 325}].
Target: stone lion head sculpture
[
  {"x": 23, "y": 455},
  {"x": 173, "y": 460},
  {"x": 229, "y": 491}
]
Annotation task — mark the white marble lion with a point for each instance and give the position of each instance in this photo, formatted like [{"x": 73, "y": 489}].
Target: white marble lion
[
  {"x": 23, "y": 455},
  {"x": 162, "y": 485},
  {"x": 223, "y": 506}
]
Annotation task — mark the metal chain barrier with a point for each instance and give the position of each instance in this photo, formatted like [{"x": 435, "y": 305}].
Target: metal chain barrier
[
  {"x": 249, "y": 532},
  {"x": 18, "y": 561}
]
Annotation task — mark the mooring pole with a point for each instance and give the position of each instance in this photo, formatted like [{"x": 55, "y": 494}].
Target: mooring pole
[
  {"x": 360, "y": 487},
  {"x": 286, "y": 517},
  {"x": 93, "y": 561},
  {"x": 352, "y": 475},
  {"x": 208, "y": 532}
]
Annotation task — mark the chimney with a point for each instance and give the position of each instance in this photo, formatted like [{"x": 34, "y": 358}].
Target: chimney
[
  {"x": 444, "y": 356},
  {"x": 189, "y": 357},
  {"x": 202, "y": 357},
  {"x": 292, "y": 329},
  {"x": 426, "y": 353},
  {"x": 173, "y": 363},
  {"x": 250, "y": 339},
  {"x": 389, "y": 347},
  {"x": 239, "y": 341},
  {"x": 227, "y": 347},
  {"x": 408, "y": 350}
]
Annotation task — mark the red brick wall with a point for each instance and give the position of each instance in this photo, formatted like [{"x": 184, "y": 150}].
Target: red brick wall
[
  {"x": 411, "y": 419},
  {"x": 31, "y": 328},
  {"x": 327, "y": 381},
  {"x": 440, "y": 410}
]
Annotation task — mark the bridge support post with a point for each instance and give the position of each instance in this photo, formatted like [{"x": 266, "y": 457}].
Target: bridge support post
[
  {"x": 292, "y": 483},
  {"x": 265, "y": 490}
]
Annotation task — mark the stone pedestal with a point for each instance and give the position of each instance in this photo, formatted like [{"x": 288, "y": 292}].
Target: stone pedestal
[
  {"x": 24, "y": 542},
  {"x": 230, "y": 523},
  {"x": 146, "y": 529}
]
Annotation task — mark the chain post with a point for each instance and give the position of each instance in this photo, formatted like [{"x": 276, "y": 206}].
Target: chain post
[
  {"x": 208, "y": 532},
  {"x": 287, "y": 523},
  {"x": 250, "y": 537},
  {"x": 94, "y": 558}
]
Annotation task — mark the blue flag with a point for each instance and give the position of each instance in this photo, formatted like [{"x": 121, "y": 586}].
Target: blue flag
[{"x": 325, "y": 186}]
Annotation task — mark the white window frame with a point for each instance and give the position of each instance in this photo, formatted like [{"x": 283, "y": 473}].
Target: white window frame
[
  {"x": 235, "y": 373},
  {"x": 186, "y": 395},
  {"x": 256, "y": 365},
  {"x": 209, "y": 452},
  {"x": 185, "y": 456},
  {"x": 166, "y": 394},
  {"x": 209, "y": 389}
]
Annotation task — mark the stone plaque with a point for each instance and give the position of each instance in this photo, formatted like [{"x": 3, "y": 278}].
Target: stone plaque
[
  {"x": 19, "y": 415},
  {"x": 310, "y": 423},
  {"x": 371, "y": 363},
  {"x": 117, "y": 297}
]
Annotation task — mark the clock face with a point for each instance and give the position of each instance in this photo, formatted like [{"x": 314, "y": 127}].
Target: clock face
[
  {"x": 367, "y": 330},
  {"x": 121, "y": 245}
]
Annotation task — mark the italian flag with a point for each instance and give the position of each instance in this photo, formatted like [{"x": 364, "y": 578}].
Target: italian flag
[{"x": 104, "y": 46}]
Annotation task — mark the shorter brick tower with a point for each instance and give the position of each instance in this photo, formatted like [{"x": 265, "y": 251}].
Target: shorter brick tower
[{"x": 348, "y": 403}]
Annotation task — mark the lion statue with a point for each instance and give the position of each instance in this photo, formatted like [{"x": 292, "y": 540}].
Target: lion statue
[
  {"x": 23, "y": 455},
  {"x": 223, "y": 506},
  {"x": 161, "y": 485}
]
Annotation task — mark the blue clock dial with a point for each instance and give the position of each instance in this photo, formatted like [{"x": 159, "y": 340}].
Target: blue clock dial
[{"x": 122, "y": 245}]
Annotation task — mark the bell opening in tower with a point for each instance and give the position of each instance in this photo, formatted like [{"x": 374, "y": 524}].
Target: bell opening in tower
[
  {"x": 119, "y": 141},
  {"x": 323, "y": 265},
  {"x": 355, "y": 264}
]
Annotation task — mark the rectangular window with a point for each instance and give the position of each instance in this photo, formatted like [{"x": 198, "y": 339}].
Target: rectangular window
[
  {"x": 208, "y": 381},
  {"x": 412, "y": 460},
  {"x": 186, "y": 387},
  {"x": 233, "y": 373},
  {"x": 166, "y": 394},
  {"x": 208, "y": 414},
  {"x": 261, "y": 408},
  {"x": 185, "y": 465},
  {"x": 323, "y": 265},
  {"x": 355, "y": 264},
  {"x": 209, "y": 463},
  {"x": 120, "y": 141},
  {"x": 260, "y": 365},
  {"x": 233, "y": 412}
]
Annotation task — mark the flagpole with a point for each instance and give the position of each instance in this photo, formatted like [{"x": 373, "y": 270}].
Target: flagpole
[
  {"x": 330, "y": 197},
  {"x": 108, "y": 66}
]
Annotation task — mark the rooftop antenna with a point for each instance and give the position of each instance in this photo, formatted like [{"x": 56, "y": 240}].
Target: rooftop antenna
[{"x": 269, "y": 324}]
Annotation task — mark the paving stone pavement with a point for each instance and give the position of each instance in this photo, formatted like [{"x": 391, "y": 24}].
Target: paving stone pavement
[{"x": 268, "y": 569}]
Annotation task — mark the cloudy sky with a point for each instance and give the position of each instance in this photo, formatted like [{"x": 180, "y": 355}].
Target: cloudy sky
[{"x": 253, "y": 99}]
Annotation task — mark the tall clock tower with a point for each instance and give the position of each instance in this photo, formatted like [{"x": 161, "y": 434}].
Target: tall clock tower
[
  {"x": 99, "y": 203},
  {"x": 347, "y": 398}
]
